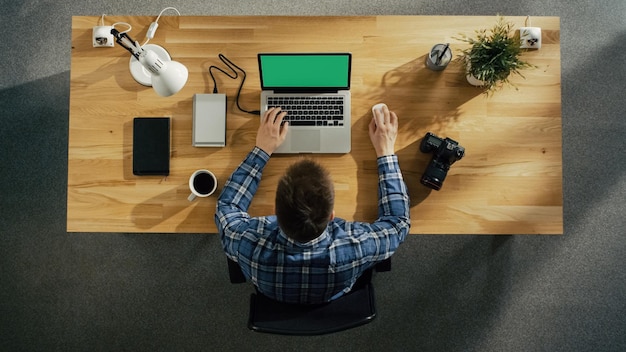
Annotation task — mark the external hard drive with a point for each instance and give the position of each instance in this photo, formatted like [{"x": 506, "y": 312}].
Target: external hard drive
[{"x": 209, "y": 120}]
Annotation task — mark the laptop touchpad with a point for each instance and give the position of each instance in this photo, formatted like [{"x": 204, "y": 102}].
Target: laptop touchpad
[{"x": 306, "y": 140}]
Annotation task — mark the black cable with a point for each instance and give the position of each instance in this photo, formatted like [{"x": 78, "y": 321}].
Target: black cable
[{"x": 228, "y": 63}]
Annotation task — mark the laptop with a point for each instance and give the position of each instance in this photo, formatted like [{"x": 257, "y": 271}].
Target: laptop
[{"x": 314, "y": 89}]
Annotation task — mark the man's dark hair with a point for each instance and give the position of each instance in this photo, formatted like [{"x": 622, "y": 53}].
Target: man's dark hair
[{"x": 304, "y": 200}]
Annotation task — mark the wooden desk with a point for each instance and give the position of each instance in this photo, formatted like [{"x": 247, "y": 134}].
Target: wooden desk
[{"x": 509, "y": 182}]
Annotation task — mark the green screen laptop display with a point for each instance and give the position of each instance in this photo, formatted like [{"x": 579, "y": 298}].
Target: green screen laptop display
[{"x": 300, "y": 71}]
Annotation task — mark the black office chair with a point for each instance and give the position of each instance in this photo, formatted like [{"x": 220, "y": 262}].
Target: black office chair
[{"x": 356, "y": 308}]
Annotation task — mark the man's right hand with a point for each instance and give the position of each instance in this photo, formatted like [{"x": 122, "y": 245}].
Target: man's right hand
[
  {"x": 383, "y": 130},
  {"x": 272, "y": 130}
]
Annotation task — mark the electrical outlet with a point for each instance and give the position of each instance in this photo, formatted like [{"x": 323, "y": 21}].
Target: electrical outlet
[
  {"x": 530, "y": 37},
  {"x": 102, "y": 37}
]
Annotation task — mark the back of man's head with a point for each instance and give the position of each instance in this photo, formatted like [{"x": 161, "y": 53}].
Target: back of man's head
[{"x": 304, "y": 200}]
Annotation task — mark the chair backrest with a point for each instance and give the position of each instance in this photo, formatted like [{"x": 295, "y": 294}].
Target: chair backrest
[
  {"x": 351, "y": 310},
  {"x": 356, "y": 308},
  {"x": 236, "y": 276}
]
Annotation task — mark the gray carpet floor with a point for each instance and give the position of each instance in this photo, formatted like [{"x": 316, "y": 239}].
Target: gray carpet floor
[{"x": 112, "y": 292}]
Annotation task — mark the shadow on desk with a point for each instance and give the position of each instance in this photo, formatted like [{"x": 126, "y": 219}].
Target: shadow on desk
[
  {"x": 425, "y": 100},
  {"x": 173, "y": 204},
  {"x": 412, "y": 172},
  {"x": 154, "y": 211},
  {"x": 417, "y": 95},
  {"x": 163, "y": 206}
]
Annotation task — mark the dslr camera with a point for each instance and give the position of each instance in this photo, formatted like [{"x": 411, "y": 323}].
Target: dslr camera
[{"x": 445, "y": 152}]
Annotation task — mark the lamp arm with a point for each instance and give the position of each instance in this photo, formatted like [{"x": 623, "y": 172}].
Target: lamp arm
[
  {"x": 166, "y": 76},
  {"x": 127, "y": 43}
]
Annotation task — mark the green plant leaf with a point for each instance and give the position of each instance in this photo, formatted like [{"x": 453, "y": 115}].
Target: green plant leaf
[{"x": 494, "y": 54}]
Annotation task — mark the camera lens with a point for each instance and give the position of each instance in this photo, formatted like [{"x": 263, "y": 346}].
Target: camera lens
[{"x": 434, "y": 176}]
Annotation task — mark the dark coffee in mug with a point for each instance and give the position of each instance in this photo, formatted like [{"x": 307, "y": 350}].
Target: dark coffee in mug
[{"x": 203, "y": 183}]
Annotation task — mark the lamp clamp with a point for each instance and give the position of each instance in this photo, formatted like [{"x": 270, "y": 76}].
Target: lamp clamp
[{"x": 127, "y": 43}]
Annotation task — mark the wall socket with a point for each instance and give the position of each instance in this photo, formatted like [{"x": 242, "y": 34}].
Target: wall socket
[
  {"x": 530, "y": 37},
  {"x": 102, "y": 37}
]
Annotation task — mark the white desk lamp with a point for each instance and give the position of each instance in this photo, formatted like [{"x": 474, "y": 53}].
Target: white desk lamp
[{"x": 151, "y": 65}]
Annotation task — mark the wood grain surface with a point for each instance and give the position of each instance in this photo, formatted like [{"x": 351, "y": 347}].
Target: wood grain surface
[{"x": 509, "y": 182}]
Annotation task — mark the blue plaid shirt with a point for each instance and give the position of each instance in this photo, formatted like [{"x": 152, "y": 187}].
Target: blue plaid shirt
[{"x": 324, "y": 268}]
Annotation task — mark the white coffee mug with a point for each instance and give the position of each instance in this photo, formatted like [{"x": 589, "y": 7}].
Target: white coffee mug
[{"x": 202, "y": 183}]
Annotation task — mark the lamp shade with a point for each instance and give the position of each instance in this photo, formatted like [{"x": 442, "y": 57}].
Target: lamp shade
[
  {"x": 170, "y": 79},
  {"x": 167, "y": 77}
]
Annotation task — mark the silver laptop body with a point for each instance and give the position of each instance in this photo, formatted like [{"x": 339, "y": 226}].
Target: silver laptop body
[{"x": 314, "y": 89}]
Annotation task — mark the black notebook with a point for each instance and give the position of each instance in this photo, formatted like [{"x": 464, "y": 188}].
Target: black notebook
[{"x": 151, "y": 146}]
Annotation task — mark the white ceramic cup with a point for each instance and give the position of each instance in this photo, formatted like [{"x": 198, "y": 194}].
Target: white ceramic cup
[{"x": 202, "y": 183}]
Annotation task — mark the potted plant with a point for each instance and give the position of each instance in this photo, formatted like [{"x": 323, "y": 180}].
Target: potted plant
[{"x": 493, "y": 56}]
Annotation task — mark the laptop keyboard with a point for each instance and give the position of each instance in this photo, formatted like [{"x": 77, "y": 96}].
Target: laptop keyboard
[{"x": 310, "y": 110}]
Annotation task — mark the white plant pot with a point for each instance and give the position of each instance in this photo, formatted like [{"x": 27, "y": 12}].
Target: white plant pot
[
  {"x": 470, "y": 78},
  {"x": 474, "y": 81}
]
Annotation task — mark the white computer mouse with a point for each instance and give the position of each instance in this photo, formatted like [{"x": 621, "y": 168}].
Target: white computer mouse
[{"x": 378, "y": 107}]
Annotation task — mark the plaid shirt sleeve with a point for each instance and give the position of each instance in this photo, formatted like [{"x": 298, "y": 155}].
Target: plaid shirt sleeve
[
  {"x": 364, "y": 243},
  {"x": 231, "y": 216}
]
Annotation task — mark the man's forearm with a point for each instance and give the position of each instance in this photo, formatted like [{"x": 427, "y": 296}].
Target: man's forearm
[
  {"x": 244, "y": 181},
  {"x": 393, "y": 195}
]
